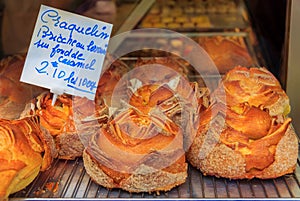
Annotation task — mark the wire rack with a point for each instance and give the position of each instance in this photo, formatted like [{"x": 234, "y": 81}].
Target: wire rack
[{"x": 68, "y": 179}]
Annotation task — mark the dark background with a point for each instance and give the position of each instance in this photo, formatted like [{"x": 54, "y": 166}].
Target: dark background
[{"x": 269, "y": 22}]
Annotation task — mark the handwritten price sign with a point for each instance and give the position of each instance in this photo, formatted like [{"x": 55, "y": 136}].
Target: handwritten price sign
[{"x": 66, "y": 52}]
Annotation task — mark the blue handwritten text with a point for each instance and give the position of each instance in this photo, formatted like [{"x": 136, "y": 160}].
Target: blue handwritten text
[{"x": 94, "y": 31}]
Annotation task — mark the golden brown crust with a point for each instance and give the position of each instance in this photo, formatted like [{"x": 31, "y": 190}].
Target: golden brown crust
[
  {"x": 143, "y": 179},
  {"x": 223, "y": 161},
  {"x": 285, "y": 157},
  {"x": 25, "y": 150},
  {"x": 95, "y": 172},
  {"x": 255, "y": 87}
]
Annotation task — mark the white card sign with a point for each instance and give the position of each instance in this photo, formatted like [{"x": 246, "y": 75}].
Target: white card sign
[{"x": 66, "y": 52}]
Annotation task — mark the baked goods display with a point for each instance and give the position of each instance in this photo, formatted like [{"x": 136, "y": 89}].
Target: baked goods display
[
  {"x": 149, "y": 121},
  {"x": 144, "y": 128},
  {"x": 191, "y": 15},
  {"x": 153, "y": 116},
  {"x": 245, "y": 132},
  {"x": 14, "y": 94},
  {"x": 25, "y": 150}
]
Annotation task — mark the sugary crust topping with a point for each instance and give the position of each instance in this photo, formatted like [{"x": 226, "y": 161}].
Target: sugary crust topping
[
  {"x": 57, "y": 118},
  {"x": 256, "y": 87}
]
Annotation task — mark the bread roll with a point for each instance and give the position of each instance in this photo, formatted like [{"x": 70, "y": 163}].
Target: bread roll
[
  {"x": 25, "y": 150},
  {"x": 14, "y": 94},
  {"x": 245, "y": 132}
]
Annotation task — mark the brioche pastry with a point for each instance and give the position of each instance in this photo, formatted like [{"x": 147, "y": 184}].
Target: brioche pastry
[
  {"x": 25, "y": 150},
  {"x": 243, "y": 137},
  {"x": 142, "y": 147}
]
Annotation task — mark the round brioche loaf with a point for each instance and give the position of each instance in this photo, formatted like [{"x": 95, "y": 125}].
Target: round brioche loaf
[
  {"x": 142, "y": 147},
  {"x": 245, "y": 133}
]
